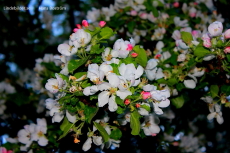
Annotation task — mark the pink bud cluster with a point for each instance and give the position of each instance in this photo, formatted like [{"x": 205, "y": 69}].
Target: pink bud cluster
[{"x": 86, "y": 25}]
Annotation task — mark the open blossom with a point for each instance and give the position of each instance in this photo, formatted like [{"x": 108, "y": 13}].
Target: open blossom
[
  {"x": 123, "y": 47},
  {"x": 53, "y": 85},
  {"x": 215, "y": 112},
  {"x": 80, "y": 38},
  {"x": 150, "y": 126},
  {"x": 215, "y": 28}
]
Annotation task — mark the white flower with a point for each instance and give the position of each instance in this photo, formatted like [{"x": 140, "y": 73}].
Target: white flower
[
  {"x": 108, "y": 55},
  {"x": 181, "y": 58},
  {"x": 70, "y": 117},
  {"x": 123, "y": 47},
  {"x": 130, "y": 73},
  {"x": 143, "y": 111},
  {"x": 7, "y": 88},
  {"x": 68, "y": 50},
  {"x": 80, "y": 37},
  {"x": 180, "y": 23},
  {"x": 215, "y": 28},
  {"x": 209, "y": 57},
  {"x": 39, "y": 133},
  {"x": 53, "y": 85},
  {"x": 54, "y": 108},
  {"x": 97, "y": 140},
  {"x": 93, "y": 15},
  {"x": 108, "y": 12},
  {"x": 215, "y": 112},
  {"x": 150, "y": 126}
]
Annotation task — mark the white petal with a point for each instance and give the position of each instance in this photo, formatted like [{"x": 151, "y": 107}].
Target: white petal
[
  {"x": 149, "y": 87},
  {"x": 219, "y": 119},
  {"x": 112, "y": 104},
  {"x": 57, "y": 117},
  {"x": 157, "y": 110},
  {"x": 103, "y": 98},
  {"x": 164, "y": 103},
  {"x": 123, "y": 94},
  {"x": 143, "y": 111},
  {"x": 43, "y": 141},
  {"x": 211, "y": 115},
  {"x": 70, "y": 117},
  {"x": 87, "y": 145},
  {"x": 97, "y": 140},
  {"x": 104, "y": 86},
  {"x": 113, "y": 79},
  {"x": 190, "y": 84},
  {"x": 139, "y": 72}
]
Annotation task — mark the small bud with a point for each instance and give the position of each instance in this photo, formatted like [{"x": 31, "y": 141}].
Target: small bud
[
  {"x": 102, "y": 23},
  {"x": 154, "y": 134},
  {"x": 138, "y": 105},
  {"x": 227, "y": 50},
  {"x": 227, "y": 34},
  {"x": 85, "y": 23},
  {"x": 78, "y": 26},
  {"x": 176, "y": 4},
  {"x": 75, "y": 29},
  {"x": 207, "y": 43},
  {"x": 76, "y": 140},
  {"x": 157, "y": 56},
  {"x": 145, "y": 94},
  {"x": 127, "y": 101},
  {"x": 134, "y": 54}
]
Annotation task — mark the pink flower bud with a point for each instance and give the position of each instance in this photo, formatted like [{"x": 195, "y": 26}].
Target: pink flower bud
[
  {"x": 154, "y": 134},
  {"x": 130, "y": 47},
  {"x": 176, "y": 4},
  {"x": 127, "y": 101},
  {"x": 145, "y": 95},
  {"x": 227, "y": 34},
  {"x": 192, "y": 15},
  {"x": 133, "y": 13},
  {"x": 134, "y": 54},
  {"x": 195, "y": 33},
  {"x": 78, "y": 26},
  {"x": 102, "y": 23},
  {"x": 157, "y": 56},
  {"x": 138, "y": 105},
  {"x": 75, "y": 29},
  {"x": 143, "y": 15},
  {"x": 207, "y": 43},
  {"x": 85, "y": 23},
  {"x": 227, "y": 50}
]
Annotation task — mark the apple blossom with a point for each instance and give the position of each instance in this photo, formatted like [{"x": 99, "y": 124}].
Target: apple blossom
[
  {"x": 215, "y": 29},
  {"x": 85, "y": 23},
  {"x": 102, "y": 23},
  {"x": 227, "y": 34},
  {"x": 227, "y": 50}
]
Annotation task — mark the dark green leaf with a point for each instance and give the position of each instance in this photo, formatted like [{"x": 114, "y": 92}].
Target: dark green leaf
[
  {"x": 90, "y": 112},
  {"x": 96, "y": 49},
  {"x": 106, "y": 33},
  {"x": 74, "y": 64},
  {"x": 119, "y": 101},
  {"x": 115, "y": 68},
  {"x": 102, "y": 131},
  {"x": 225, "y": 89},
  {"x": 65, "y": 127},
  {"x": 116, "y": 134},
  {"x": 178, "y": 102},
  {"x": 214, "y": 89},
  {"x": 131, "y": 26},
  {"x": 120, "y": 110},
  {"x": 80, "y": 74}
]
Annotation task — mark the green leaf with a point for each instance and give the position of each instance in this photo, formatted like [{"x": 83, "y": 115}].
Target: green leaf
[
  {"x": 65, "y": 127},
  {"x": 95, "y": 49},
  {"x": 172, "y": 81},
  {"x": 119, "y": 101},
  {"x": 214, "y": 89},
  {"x": 115, "y": 68},
  {"x": 106, "y": 33},
  {"x": 186, "y": 37},
  {"x": 201, "y": 52},
  {"x": 64, "y": 77},
  {"x": 225, "y": 89},
  {"x": 85, "y": 84},
  {"x": 116, "y": 134},
  {"x": 146, "y": 107},
  {"x": 131, "y": 26},
  {"x": 92, "y": 97},
  {"x": 97, "y": 59},
  {"x": 102, "y": 131},
  {"x": 80, "y": 74},
  {"x": 228, "y": 57},
  {"x": 178, "y": 102},
  {"x": 155, "y": 12},
  {"x": 74, "y": 64},
  {"x": 135, "y": 123},
  {"x": 180, "y": 86},
  {"x": 120, "y": 110},
  {"x": 90, "y": 112},
  {"x": 93, "y": 31},
  {"x": 142, "y": 57}
]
